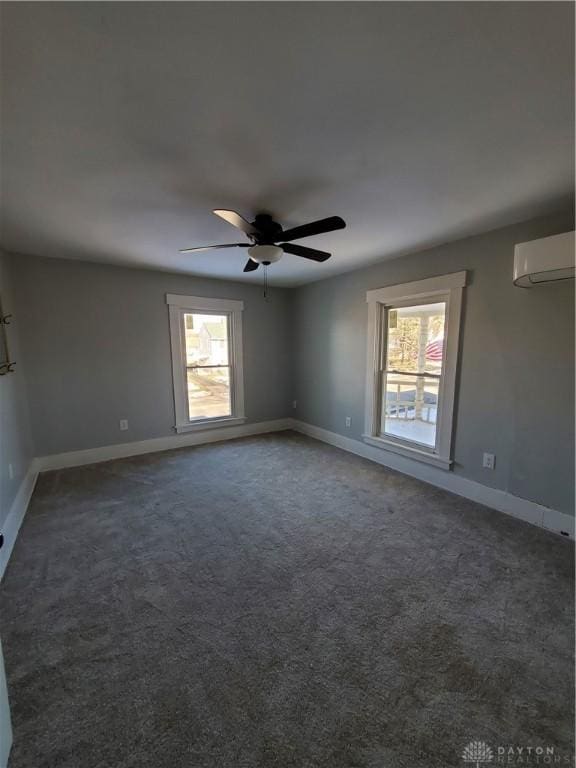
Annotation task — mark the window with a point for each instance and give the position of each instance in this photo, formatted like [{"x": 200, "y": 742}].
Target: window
[
  {"x": 412, "y": 361},
  {"x": 206, "y": 340}
]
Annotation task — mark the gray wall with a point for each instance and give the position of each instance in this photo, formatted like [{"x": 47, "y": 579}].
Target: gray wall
[
  {"x": 95, "y": 344},
  {"x": 15, "y": 438},
  {"x": 97, "y": 350},
  {"x": 516, "y": 391}
]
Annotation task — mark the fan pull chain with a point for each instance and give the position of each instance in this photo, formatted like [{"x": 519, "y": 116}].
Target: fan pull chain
[{"x": 265, "y": 282}]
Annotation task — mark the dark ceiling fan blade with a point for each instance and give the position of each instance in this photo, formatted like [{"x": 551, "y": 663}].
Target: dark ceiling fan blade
[
  {"x": 307, "y": 253},
  {"x": 236, "y": 220},
  {"x": 211, "y": 247},
  {"x": 314, "y": 228},
  {"x": 250, "y": 266}
]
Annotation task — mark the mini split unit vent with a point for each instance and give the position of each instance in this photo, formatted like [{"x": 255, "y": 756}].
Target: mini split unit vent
[{"x": 544, "y": 261}]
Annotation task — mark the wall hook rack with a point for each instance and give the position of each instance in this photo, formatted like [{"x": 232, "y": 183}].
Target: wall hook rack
[{"x": 6, "y": 365}]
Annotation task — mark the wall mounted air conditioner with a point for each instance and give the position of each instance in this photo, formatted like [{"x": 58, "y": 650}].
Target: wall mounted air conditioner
[{"x": 544, "y": 261}]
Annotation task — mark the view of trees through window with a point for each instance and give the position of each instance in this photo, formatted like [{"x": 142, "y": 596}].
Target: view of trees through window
[
  {"x": 207, "y": 365},
  {"x": 414, "y": 355}
]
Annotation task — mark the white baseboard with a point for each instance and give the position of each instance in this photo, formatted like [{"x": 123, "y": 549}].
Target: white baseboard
[
  {"x": 16, "y": 515},
  {"x": 124, "y": 450},
  {"x": 559, "y": 522}
]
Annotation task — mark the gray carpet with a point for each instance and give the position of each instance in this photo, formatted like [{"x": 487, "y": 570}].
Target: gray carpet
[{"x": 274, "y": 601}]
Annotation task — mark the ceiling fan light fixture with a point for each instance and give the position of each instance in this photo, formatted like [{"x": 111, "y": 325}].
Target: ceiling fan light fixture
[{"x": 265, "y": 254}]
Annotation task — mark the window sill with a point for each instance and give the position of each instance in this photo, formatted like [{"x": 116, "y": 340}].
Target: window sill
[
  {"x": 201, "y": 426},
  {"x": 409, "y": 453}
]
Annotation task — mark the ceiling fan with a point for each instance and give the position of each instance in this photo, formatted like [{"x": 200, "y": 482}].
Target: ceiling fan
[{"x": 267, "y": 240}]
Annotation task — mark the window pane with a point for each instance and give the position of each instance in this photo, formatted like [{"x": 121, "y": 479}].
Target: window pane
[
  {"x": 410, "y": 408},
  {"x": 206, "y": 339},
  {"x": 414, "y": 348},
  {"x": 208, "y": 392},
  {"x": 416, "y": 338}
]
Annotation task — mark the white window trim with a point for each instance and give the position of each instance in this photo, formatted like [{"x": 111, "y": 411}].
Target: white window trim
[
  {"x": 447, "y": 288},
  {"x": 178, "y": 306}
]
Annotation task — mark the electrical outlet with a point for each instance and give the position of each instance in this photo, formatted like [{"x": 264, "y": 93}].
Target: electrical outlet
[
  {"x": 489, "y": 461},
  {"x": 11, "y": 471},
  {"x": 123, "y": 425},
  {"x": 348, "y": 421},
  {"x": 294, "y": 404}
]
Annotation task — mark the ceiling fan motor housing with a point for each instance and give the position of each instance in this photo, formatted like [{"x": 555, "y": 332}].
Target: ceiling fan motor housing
[{"x": 268, "y": 229}]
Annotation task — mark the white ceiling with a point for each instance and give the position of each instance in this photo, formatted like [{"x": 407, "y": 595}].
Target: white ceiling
[{"x": 124, "y": 124}]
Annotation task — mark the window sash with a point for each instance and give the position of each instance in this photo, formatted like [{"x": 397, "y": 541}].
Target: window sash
[
  {"x": 407, "y": 404},
  {"x": 386, "y": 372},
  {"x": 229, "y": 365}
]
